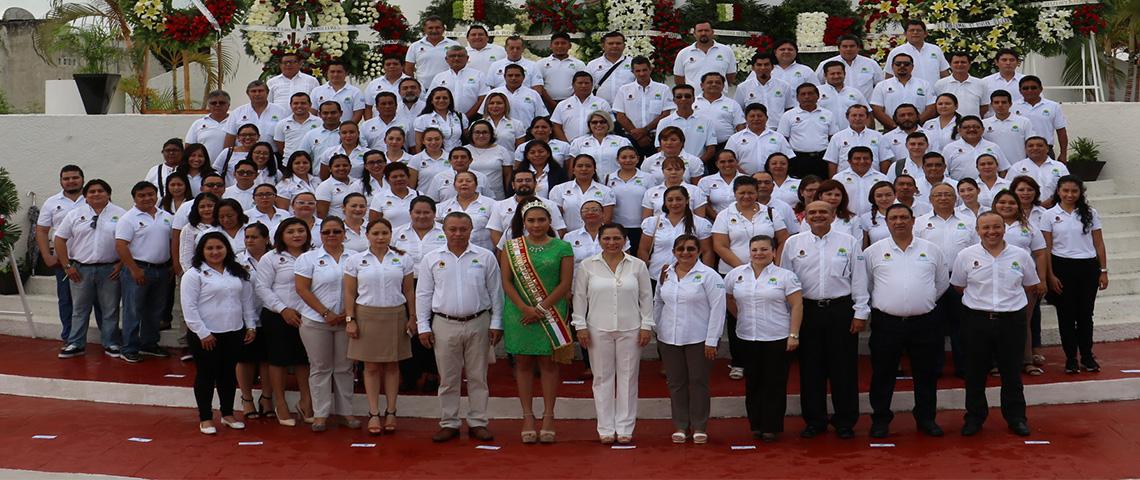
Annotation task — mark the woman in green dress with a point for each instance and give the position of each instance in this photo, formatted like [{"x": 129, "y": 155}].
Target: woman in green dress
[{"x": 537, "y": 275}]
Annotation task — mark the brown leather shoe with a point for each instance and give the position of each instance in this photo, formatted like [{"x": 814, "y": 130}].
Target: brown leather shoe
[
  {"x": 480, "y": 433},
  {"x": 444, "y": 434}
]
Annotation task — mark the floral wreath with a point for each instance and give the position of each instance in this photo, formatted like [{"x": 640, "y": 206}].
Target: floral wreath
[
  {"x": 315, "y": 49},
  {"x": 881, "y": 16},
  {"x": 981, "y": 43},
  {"x": 182, "y": 29},
  {"x": 458, "y": 13},
  {"x": 390, "y": 24}
]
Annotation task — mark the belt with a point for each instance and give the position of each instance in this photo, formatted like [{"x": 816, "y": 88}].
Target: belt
[
  {"x": 464, "y": 318},
  {"x": 904, "y": 319},
  {"x": 798, "y": 153},
  {"x": 152, "y": 265},
  {"x": 824, "y": 303},
  {"x": 998, "y": 315},
  {"x": 103, "y": 264}
]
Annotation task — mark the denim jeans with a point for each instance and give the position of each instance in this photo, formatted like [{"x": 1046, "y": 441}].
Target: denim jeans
[
  {"x": 63, "y": 296},
  {"x": 144, "y": 307},
  {"x": 95, "y": 287}
]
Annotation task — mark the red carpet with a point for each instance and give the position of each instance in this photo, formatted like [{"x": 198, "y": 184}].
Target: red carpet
[
  {"x": 37, "y": 358},
  {"x": 1087, "y": 441}
]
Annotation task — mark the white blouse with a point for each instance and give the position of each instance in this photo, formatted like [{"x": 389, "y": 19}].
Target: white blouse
[
  {"x": 490, "y": 162},
  {"x": 406, "y": 239},
  {"x": 718, "y": 191},
  {"x": 214, "y": 302},
  {"x": 1069, "y": 238},
  {"x": 379, "y": 282},
  {"x": 628, "y": 195},
  {"x": 480, "y": 211},
  {"x": 690, "y": 309},
  {"x": 333, "y": 191},
  {"x": 428, "y": 167},
  {"x": 604, "y": 151},
  {"x": 276, "y": 285},
  {"x": 289, "y": 187},
  {"x": 740, "y": 229},
  {"x": 663, "y": 233},
  {"x": 393, "y": 208},
  {"x": 570, "y": 197},
  {"x": 762, "y": 310},
  {"x": 327, "y": 276},
  {"x": 612, "y": 301}
]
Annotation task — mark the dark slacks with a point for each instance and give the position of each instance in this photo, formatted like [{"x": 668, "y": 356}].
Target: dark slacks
[
  {"x": 735, "y": 344},
  {"x": 766, "y": 384},
  {"x": 920, "y": 338},
  {"x": 214, "y": 370},
  {"x": 808, "y": 163},
  {"x": 948, "y": 313},
  {"x": 829, "y": 355},
  {"x": 1075, "y": 306},
  {"x": 994, "y": 338}
]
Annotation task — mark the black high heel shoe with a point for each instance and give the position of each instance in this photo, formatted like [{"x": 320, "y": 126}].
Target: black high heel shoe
[
  {"x": 265, "y": 406},
  {"x": 250, "y": 413}
]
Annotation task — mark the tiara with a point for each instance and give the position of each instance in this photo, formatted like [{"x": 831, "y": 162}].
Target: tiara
[{"x": 535, "y": 204}]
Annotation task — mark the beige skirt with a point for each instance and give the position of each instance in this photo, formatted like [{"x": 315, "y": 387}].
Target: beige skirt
[{"x": 382, "y": 334}]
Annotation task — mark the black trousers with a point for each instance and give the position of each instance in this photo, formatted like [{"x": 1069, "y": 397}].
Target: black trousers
[
  {"x": 634, "y": 236},
  {"x": 808, "y": 163},
  {"x": 766, "y": 384},
  {"x": 214, "y": 370},
  {"x": 829, "y": 354},
  {"x": 920, "y": 338},
  {"x": 1075, "y": 306},
  {"x": 948, "y": 313},
  {"x": 422, "y": 361},
  {"x": 735, "y": 344},
  {"x": 994, "y": 338}
]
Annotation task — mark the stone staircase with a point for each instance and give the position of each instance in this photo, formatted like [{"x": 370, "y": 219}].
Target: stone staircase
[{"x": 1117, "y": 307}]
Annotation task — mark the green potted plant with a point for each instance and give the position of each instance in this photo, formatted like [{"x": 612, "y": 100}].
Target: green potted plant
[
  {"x": 1084, "y": 159},
  {"x": 98, "y": 50}
]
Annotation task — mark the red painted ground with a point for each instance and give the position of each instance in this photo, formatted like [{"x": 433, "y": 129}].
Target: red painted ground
[
  {"x": 1087, "y": 441},
  {"x": 30, "y": 357}
]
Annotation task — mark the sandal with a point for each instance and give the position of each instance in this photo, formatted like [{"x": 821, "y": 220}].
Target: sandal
[
  {"x": 250, "y": 413},
  {"x": 529, "y": 437},
  {"x": 1033, "y": 370},
  {"x": 374, "y": 430},
  {"x": 389, "y": 421},
  {"x": 1038, "y": 359},
  {"x": 266, "y": 411},
  {"x": 544, "y": 435}
]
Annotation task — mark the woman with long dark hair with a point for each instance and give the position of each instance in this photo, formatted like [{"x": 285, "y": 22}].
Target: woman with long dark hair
[
  {"x": 659, "y": 231},
  {"x": 217, "y": 303},
  {"x": 539, "y": 158},
  {"x": 195, "y": 165},
  {"x": 297, "y": 177},
  {"x": 439, "y": 112},
  {"x": 831, "y": 191},
  {"x": 177, "y": 190},
  {"x": 1078, "y": 268},
  {"x": 541, "y": 128},
  {"x": 874, "y": 222}
]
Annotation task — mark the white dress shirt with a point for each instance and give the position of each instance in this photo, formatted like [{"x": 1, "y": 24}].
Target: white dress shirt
[
  {"x": 690, "y": 309},
  {"x": 808, "y": 131},
  {"x": 379, "y": 282},
  {"x": 724, "y": 114},
  {"x": 573, "y": 113},
  {"x": 663, "y": 233},
  {"x": 348, "y": 96},
  {"x": 950, "y": 234},
  {"x": 585, "y": 245},
  {"x": 289, "y": 187},
  {"x": 962, "y": 158},
  {"x": 971, "y": 93},
  {"x": 776, "y": 95},
  {"x": 994, "y": 284},
  {"x": 147, "y": 236},
  {"x": 830, "y": 266},
  {"x": 282, "y": 88},
  {"x": 753, "y": 149},
  {"x": 429, "y": 59},
  {"x": 86, "y": 244},
  {"x": 844, "y": 140},
  {"x": 787, "y": 192},
  {"x": 699, "y": 132},
  {"x": 326, "y": 274},
  {"x": 1047, "y": 174},
  {"x": 214, "y": 302},
  {"x": 466, "y": 86},
  {"x": 905, "y": 283},
  {"x": 276, "y": 284},
  {"x": 628, "y": 195},
  {"x": 1069, "y": 237},
  {"x": 458, "y": 286},
  {"x": 570, "y": 197},
  {"x": 762, "y": 311},
  {"x": 929, "y": 61},
  {"x": 862, "y": 73},
  {"x": 640, "y": 103},
  {"x": 621, "y": 75},
  {"x": 612, "y": 300},
  {"x": 740, "y": 229},
  {"x": 1010, "y": 134}
]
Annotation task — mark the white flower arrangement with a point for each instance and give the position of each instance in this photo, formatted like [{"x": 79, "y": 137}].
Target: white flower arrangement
[
  {"x": 334, "y": 43},
  {"x": 263, "y": 12},
  {"x": 1053, "y": 25},
  {"x": 366, "y": 12},
  {"x": 630, "y": 14},
  {"x": 468, "y": 9},
  {"x": 743, "y": 54},
  {"x": 642, "y": 46},
  {"x": 269, "y": 13},
  {"x": 373, "y": 64},
  {"x": 810, "y": 27},
  {"x": 150, "y": 14}
]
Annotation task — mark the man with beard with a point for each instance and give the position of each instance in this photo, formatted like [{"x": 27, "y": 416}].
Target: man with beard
[
  {"x": 523, "y": 183},
  {"x": 704, "y": 56},
  {"x": 906, "y": 121},
  {"x": 52, "y": 213},
  {"x": 410, "y": 105}
]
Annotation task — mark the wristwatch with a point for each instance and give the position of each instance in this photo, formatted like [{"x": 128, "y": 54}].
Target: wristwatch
[
  {"x": 348, "y": 319},
  {"x": 794, "y": 335}
]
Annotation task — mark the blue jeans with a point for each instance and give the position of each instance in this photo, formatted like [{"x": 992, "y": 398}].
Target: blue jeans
[
  {"x": 63, "y": 295},
  {"x": 95, "y": 287},
  {"x": 143, "y": 307}
]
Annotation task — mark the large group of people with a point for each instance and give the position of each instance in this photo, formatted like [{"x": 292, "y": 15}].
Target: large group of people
[{"x": 319, "y": 229}]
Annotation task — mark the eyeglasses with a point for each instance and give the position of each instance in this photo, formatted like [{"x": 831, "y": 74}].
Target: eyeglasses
[
  {"x": 903, "y": 64},
  {"x": 305, "y": 203},
  {"x": 598, "y": 122},
  {"x": 214, "y": 185},
  {"x": 265, "y": 194},
  {"x": 245, "y": 173},
  {"x": 332, "y": 232},
  {"x": 683, "y": 96},
  {"x": 218, "y": 102},
  {"x": 94, "y": 220},
  {"x": 686, "y": 249}
]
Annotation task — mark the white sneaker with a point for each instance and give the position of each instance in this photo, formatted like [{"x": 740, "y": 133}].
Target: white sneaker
[{"x": 735, "y": 373}]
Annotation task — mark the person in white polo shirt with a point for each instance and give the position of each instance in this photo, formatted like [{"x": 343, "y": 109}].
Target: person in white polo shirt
[
  {"x": 835, "y": 95},
  {"x": 525, "y": 102},
  {"x": 1040, "y": 167},
  {"x": 54, "y": 209},
  {"x": 929, "y": 62},
  {"x": 245, "y": 173},
  {"x": 1006, "y": 77},
  {"x": 317, "y": 140},
  {"x": 788, "y": 68},
  {"x": 761, "y": 87},
  {"x": 85, "y": 247},
  {"x": 427, "y": 56},
  {"x": 1046, "y": 116},
  {"x": 755, "y": 143},
  {"x": 962, "y": 154},
  {"x": 559, "y": 71},
  {"x": 466, "y": 84},
  {"x": 480, "y": 51},
  {"x": 906, "y": 275},
  {"x": 858, "y": 178},
  {"x": 515, "y": 47},
  {"x": 1072, "y": 231},
  {"x": 725, "y": 114},
  {"x": 571, "y": 115},
  {"x": 905, "y": 118},
  {"x": 374, "y": 130},
  {"x": 973, "y": 97},
  {"x": 641, "y": 104},
  {"x": 700, "y": 136},
  {"x": 704, "y": 56},
  {"x": 1008, "y": 130},
  {"x": 210, "y": 130},
  {"x": 862, "y": 73},
  {"x": 994, "y": 278},
  {"x": 290, "y": 131},
  {"x": 142, "y": 241},
  {"x": 337, "y": 89},
  {"x": 291, "y": 80},
  {"x": 807, "y": 128},
  {"x": 901, "y": 88},
  {"x": 258, "y": 111},
  {"x": 388, "y": 82},
  {"x": 613, "y": 69},
  {"x": 857, "y": 135}
]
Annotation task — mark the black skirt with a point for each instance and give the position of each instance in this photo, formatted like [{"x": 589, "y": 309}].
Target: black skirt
[
  {"x": 283, "y": 347},
  {"x": 253, "y": 352}
]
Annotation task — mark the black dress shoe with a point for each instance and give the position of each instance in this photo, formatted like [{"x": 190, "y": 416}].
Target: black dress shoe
[
  {"x": 1020, "y": 428},
  {"x": 811, "y": 431},
  {"x": 768, "y": 437},
  {"x": 845, "y": 432},
  {"x": 1071, "y": 366},
  {"x": 880, "y": 430},
  {"x": 444, "y": 434},
  {"x": 970, "y": 429},
  {"x": 1090, "y": 365},
  {"x": 931, "y": 429}
]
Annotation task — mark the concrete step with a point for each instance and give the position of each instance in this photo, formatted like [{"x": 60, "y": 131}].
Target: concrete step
[
  {"x": 1121, "y": 222},
  {"x": 1101, "y": 188},
  {"x": 1121, "y": 243},
  {"x": 37, "y": 285},
  {"x": 1110, "y": 204},
  {"x": 1122, "y": 284},
  {"x": 1122, "y": 263}
]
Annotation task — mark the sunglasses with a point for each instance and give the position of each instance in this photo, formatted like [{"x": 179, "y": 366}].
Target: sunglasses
[
  {"x": 94, "y": 221},
  {"x": 903, "y": 64},
  {"x": 332, "y": 232},
  {"x": 686, "y": 249},
  {"x": 213, "y": 185}
]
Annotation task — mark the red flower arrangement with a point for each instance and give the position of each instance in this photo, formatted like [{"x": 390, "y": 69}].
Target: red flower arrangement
[
  {"x": 392, "y": 25},
  {"x": 394, "y": 50},
  {"x": 1087, "y": 19},
  {"x": 762, "y": 43},
  {"x": 480, "y": 13},
  {"x": 561, "y": 15},
  {"x": 189, "y": 27},
  {"x": 667, "y": 19},
  {"x": 837, "y": 27}
]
